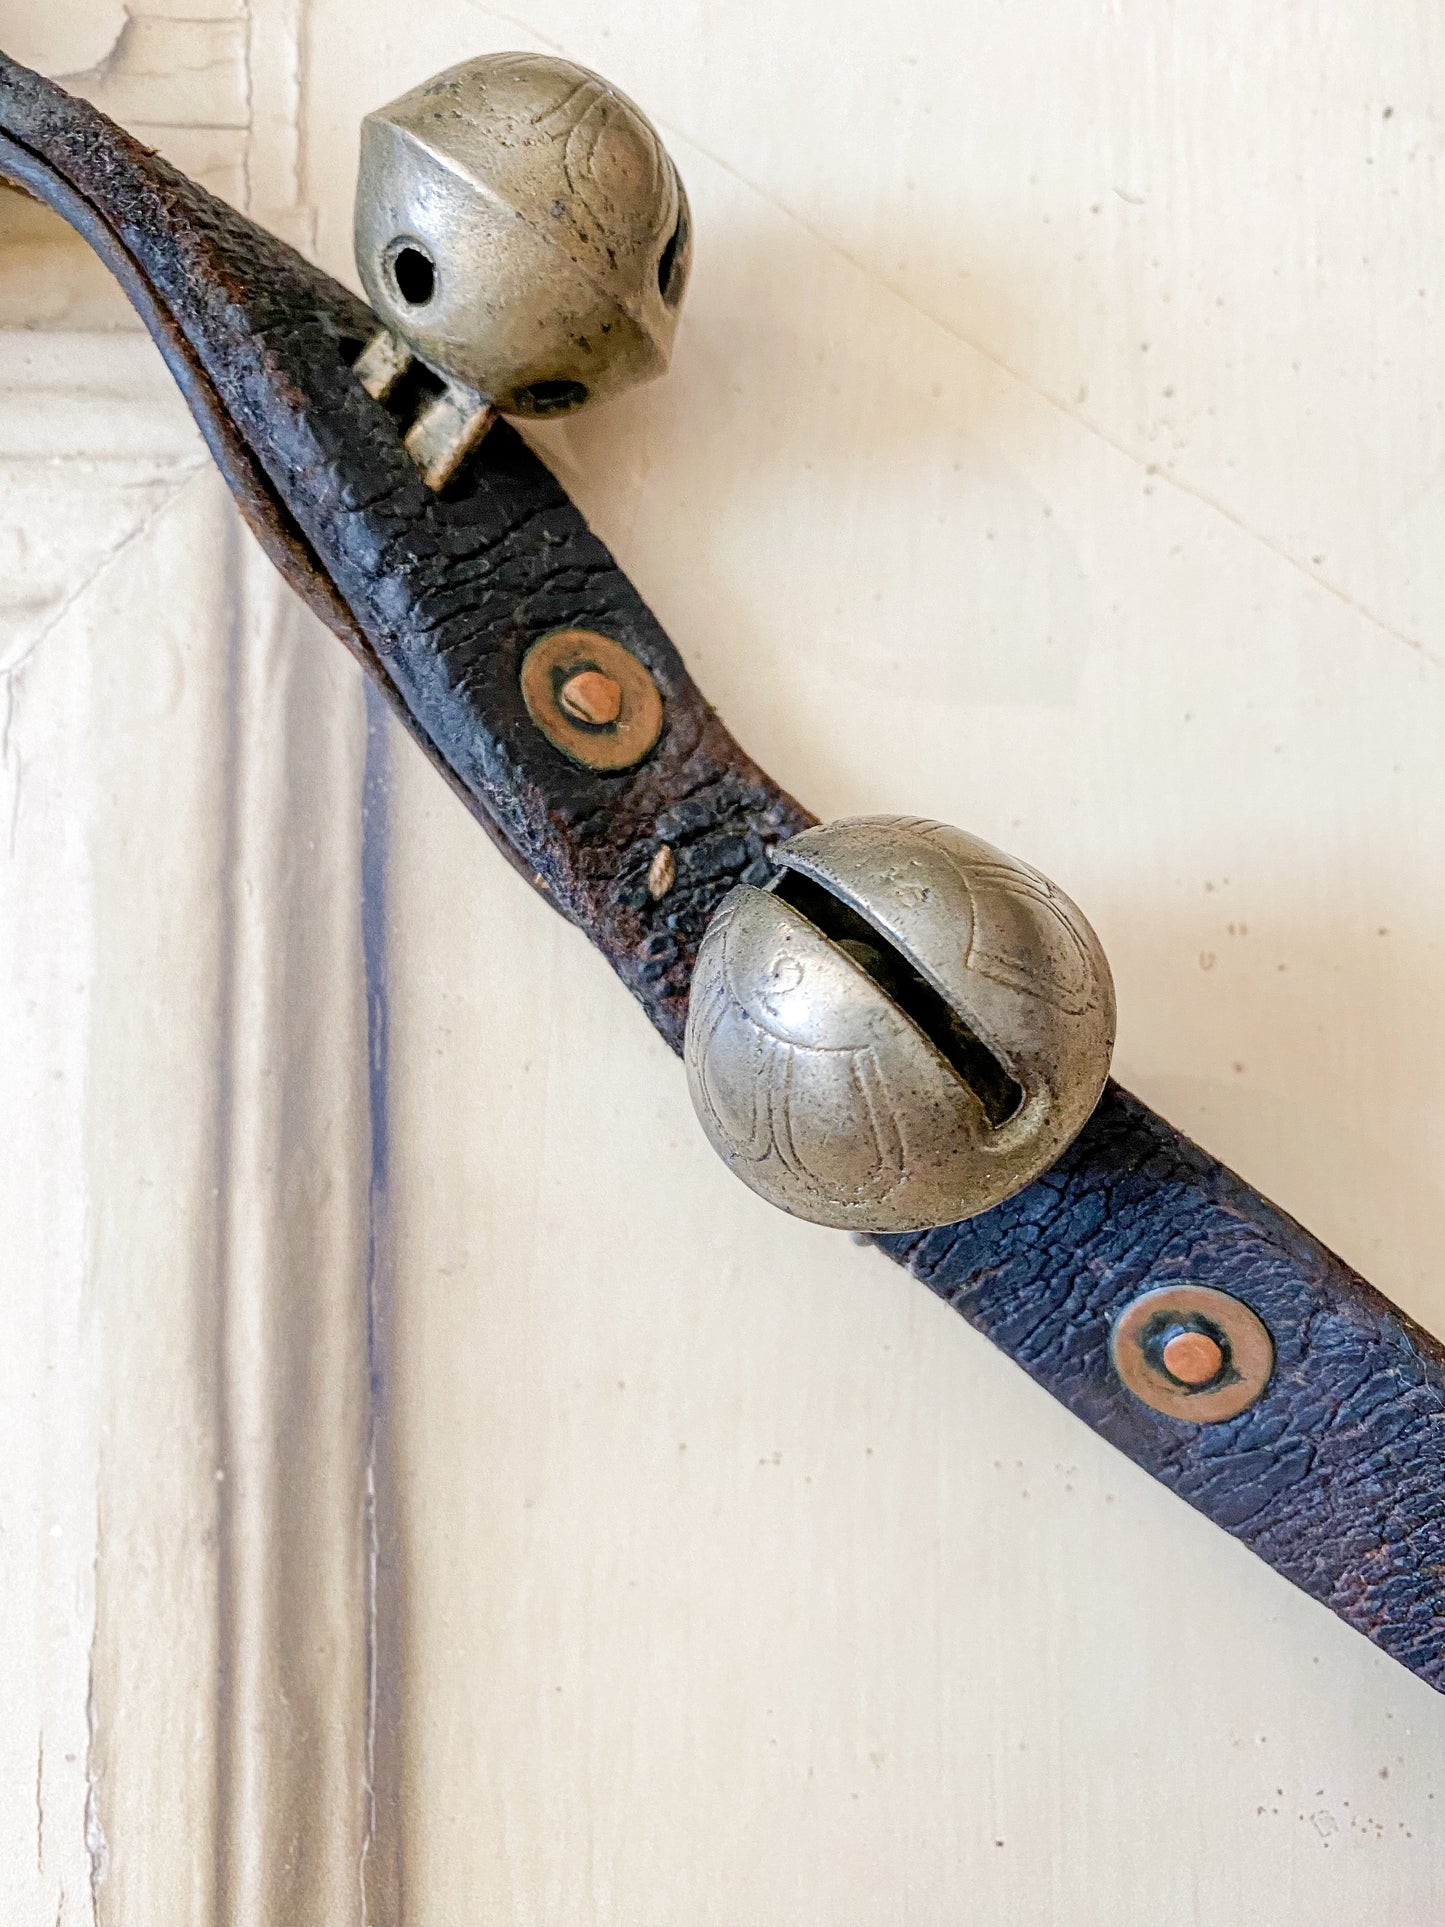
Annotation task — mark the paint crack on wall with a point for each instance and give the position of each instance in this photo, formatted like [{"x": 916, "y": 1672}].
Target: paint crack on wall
[
  {"x": 368, "y": 1773},
  {"x": 1071, "y": 413},
  {"x": 1180, "y": 484},
  {"x": 102, "y": 69},
  {"x": 40, "y": 1804},
  {"x": 248, "y": 95},
  {"x": 12, "y": 673},
  {"x": 97, "y": 1847}
]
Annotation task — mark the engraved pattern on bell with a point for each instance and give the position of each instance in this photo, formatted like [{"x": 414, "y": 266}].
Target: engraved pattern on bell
[
  {"x": 548, "y": 222},
  {"x": 837, "y": 1031}
]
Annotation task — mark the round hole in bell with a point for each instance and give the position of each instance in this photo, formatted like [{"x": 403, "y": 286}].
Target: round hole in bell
[
  {"x": 414, "y": 274},
  {"x": 551, "y": 397}
]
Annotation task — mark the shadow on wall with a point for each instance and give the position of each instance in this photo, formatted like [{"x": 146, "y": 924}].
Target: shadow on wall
[
  {"x": 797, "y": 370},
  {"x": 49, "y": 278},
  {"x": 892, "y": 475},
  {"x": 1267, "y": 1029}
]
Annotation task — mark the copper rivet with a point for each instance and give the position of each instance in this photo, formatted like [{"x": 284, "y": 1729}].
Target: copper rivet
[
  {"x": 1193, "y": 1357},
  {"x": 661, "y": 873},
  {"x": 591, "y": 697},
  {"x": 1192, "y": 1352}
]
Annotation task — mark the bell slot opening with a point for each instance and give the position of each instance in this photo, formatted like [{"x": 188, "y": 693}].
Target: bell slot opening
[
  {"x": 555, "y": 397},
  {"x": 972, "y": 1061},
  {"x": 669, "y": 278}
]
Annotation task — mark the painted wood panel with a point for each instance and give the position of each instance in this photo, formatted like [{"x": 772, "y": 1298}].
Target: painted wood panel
[
  {"x": 185, "y": 1620},
  {"x": 1054, "y": 445}
]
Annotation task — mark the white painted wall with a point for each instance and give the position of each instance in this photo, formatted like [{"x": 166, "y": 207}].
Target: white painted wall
[{"x": 1054, "y": 445}]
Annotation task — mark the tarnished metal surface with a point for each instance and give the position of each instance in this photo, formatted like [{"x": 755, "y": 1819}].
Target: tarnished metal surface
[
  {"x": 520, "y": 225},
  {"x": 382, "y": 363},
  {"x": 1153, "y": 1354},
  {"x": 447, "y": 426},
  {"x": 907, "y": 1029},
  {"x": 600, "y": 734},
  {"x": 446, "y": 431}
]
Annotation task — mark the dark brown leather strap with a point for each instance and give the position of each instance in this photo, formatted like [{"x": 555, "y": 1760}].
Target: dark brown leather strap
[
  {"x": 1336, "y": 1475},
  {"x": 439, "y": 596}
]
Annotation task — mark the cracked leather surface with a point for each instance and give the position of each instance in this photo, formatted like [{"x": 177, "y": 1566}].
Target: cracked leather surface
[
  {"x": 1337, "y": 1475},
  {"x": 440, "y": 596}
]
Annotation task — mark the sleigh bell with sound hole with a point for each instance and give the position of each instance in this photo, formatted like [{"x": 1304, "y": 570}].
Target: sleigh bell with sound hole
[
  {"x": 521, "y": 229},
  {"x": 903, "y": 1029}
]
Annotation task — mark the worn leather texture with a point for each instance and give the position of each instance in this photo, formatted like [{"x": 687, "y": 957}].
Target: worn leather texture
[
  {"x": 438, "y": 595},
  {"x": 1336, "y": 1476}
]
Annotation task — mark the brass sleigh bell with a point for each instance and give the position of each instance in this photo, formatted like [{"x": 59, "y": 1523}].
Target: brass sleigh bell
[
  {"x": 521, "y": 229},
  {"x": 902, "y": 1030},
  {"x": 906, "y": 1026}
]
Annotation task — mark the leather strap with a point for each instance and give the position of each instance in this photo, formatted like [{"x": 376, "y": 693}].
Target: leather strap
[
  {"x": 1336, "y": 1475},
  {"x": 439, "y": 596}
]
